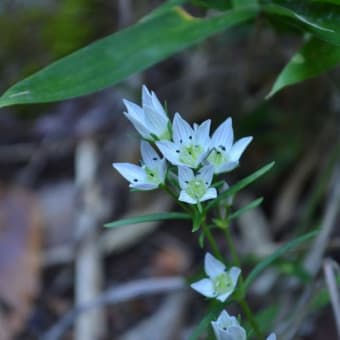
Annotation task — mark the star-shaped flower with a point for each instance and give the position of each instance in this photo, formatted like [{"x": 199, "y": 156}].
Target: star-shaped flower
[
  {"x": 227, "y": 327},
  {"x": 150, "y": 120},
  {"x": 148, "y": 176},
  {"x": 196, "y": 188},
  {"x": 226, "y": 154},
  {"x": 190, "y": 146},
  {"x": 220, "y": 283}
]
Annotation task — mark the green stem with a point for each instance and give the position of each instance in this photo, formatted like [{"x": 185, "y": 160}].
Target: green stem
[
  {"x": 211, "y": 241},
  {"x": 231, "y": 245},
  {"x": 236, "y": 261},
  {"x": 245, "y": 307},
  {"x": 174, "y": 196}
]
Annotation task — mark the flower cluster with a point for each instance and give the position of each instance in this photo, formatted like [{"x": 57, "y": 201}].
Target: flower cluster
[{"x": 189, "y": 153}]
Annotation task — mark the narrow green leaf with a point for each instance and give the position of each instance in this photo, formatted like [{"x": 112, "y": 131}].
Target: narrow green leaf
[
  {"x": 149, "y": 218},
  {"x": 321, "y": 19},
  {"x": 240, "y": 185},
  {"x": 114, "y": 58},
  {"x": 314, "y": 58},
  {"x": 244, "y": 209},
  {"x": 205, "y": 322},
  {"x": 260, "y": 267}
]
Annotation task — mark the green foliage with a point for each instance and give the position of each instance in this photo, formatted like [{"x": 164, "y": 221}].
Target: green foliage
[
  {"x": 149, "y": 218},
  {"x": 240, "y": 185},
  {"x": 246, "y": 208},
  {"x": 318, "y": 18},
  {"x": 265, "y": 263},
  {"x": 120, "y": 55},
  {"x": 217, "y": 4},
  {"x": 214, "y": 310},
  {"x": 314, "y": 58}
]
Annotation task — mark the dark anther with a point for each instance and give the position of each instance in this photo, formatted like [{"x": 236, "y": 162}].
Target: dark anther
[
  {"x": 177, "y": 151},
  {"x": 190, "y": 137},
  {"x": 155, "y": 158},
  {"x": 181, "y": 141},
  {"x": 135, "y": 180}
]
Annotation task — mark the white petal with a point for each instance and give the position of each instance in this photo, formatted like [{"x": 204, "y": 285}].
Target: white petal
[
  {"x": 134, "y": 109},
  {"x": 149, "y": 155},
  {"x": 224, "y": 318},
  {"x": 224, "y": 297},
  {"x": 133, "y": 173},
  {"x": 184, "y": 197},
  {"x": 202, "y": 157},
  {"x": 146, "y": 96},
  {"x": 185, "y": 175},
  {"x": 234, "y": 273},
  {"x": 157, "y": 105},
  {"x": 212, "y": 266},
  {"x": 168, "y": 150},
  {"x": 220, "y": 333},
  {"x": 237, "y": 333},
  {"x": 139, "y": 125},
  {"x": 202, "y": 134},
  {"x": 209, "y": 194},
  {"x": 155, "y": 122},
  {"x": 204, "y": 287},
  {"x": 224, "y": 135},
  {"x": 206, "y": 174},
  {"x": 161, "y": 169},
  {"x": 228, "y": 166},
  {"x": 144, "y": 186},
  {"x": 238, "y": 148},
  {"x": 182, "y": 131},
  {"x": 272, "y": 336}
]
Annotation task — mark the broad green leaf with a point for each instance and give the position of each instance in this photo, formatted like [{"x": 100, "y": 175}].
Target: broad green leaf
[
  {"x": 217, "y": 4},
  {"x": 314, "y": 58},
  {"x": 114, "y": 58},
  {"x": 240, "y": 185},
  {"x": 261, "y": 266},
  {"x": 149, "y": 218},
  {"x": 244, "y": 209},
  {"x": 321, "y": 19}
]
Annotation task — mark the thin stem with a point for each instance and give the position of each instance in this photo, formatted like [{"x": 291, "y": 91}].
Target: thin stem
[
  {"x": 211, "y": 240},
  {"x": 245, "y": 307},
  {"x": 174, "y": 196},
  {"x": 231, "y": 245},
  {"x": 236, "y": 261}
]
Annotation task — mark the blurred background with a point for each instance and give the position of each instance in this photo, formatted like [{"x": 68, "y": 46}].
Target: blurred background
[{"x": 57, "y": 186}]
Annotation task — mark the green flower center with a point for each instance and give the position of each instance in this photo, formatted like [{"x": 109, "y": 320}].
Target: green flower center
[
  {"x": 165, "y": 135},
  {"x": 152, "y": 176},
  {"x": 217, "y": 158},
  {"x": 196, "y": 188},
  {"x": 189, "y": 154},
  {"x": 222, "y": 283}
]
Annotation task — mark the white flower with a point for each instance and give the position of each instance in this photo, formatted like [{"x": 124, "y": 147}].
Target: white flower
[
  {"x": 196, "y": 188},
  {"x": 225, "y": 155},
  {"x": 226, "y": 327},
  {"x": 190, "y": 146},
  {"x": 220, "y": 283},
  {"x": 272, "y": 336},
  {"x": 150, "y": 120},
  {"x": 148, "y": 176}
]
